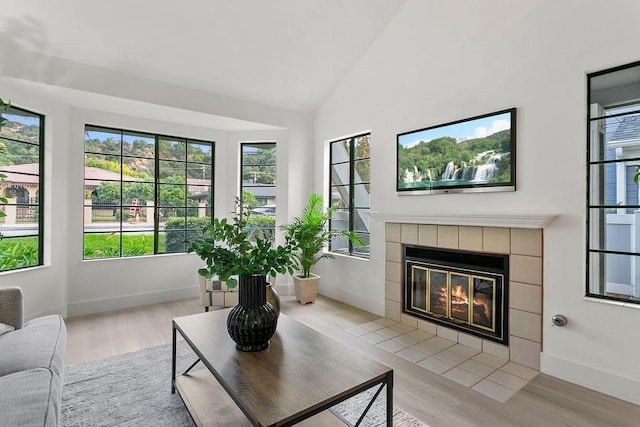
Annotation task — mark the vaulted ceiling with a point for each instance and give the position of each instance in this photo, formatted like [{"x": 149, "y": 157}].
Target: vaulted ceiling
[{"x": 284, "y": 53}]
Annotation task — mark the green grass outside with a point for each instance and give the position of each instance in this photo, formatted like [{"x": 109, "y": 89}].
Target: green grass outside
[
  {"x": 18, "y": 252},
  {"x": 107, "y": 245}
]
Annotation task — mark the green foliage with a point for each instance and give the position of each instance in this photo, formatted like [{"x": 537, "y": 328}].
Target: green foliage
[
  {"x": 636, "y": 176},
  {"x": 227, "y": 251},
  {"x": 309, "y": 234},
  {"x": 18, "y": 252},
  {"x": 177, "y": 237}
]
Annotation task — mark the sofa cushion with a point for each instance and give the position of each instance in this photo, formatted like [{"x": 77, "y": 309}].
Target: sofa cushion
[
  {"x": 30, "y": 398},
  {"x": 39, "y": 344},
  {"x": 4, "y": 328}
]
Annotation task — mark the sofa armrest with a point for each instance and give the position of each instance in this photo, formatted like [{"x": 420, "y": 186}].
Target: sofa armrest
[{"x": 11, "y": 306}]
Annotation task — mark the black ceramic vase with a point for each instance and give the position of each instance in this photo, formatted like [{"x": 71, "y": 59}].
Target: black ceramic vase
[{"x": 252, "y": 322}]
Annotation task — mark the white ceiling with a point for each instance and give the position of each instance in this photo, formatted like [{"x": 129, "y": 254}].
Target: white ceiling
[{"x": 283, "y": 53}]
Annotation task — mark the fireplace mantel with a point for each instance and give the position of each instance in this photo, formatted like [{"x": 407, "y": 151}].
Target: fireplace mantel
[{"x": 508, "y": 221}]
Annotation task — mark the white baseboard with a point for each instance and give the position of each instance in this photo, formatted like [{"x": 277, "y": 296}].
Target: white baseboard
[
  {"x": 60, "y": 309},
  {"x": 128, "y": 301},
  {"x": 595, "y": 379}
]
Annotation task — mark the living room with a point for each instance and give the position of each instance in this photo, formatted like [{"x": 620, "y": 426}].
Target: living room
[{"x": 407, "y": 65}]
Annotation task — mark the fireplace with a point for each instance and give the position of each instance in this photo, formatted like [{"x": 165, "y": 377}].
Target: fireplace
[{"x": 467, "y": 291}]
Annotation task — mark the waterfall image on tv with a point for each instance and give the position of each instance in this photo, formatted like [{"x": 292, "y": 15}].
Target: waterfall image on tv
[{"x": 475, "y": 154}]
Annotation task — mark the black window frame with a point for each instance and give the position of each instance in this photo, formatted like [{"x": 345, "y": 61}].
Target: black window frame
[
  {"x": 157, "y": 183},
  {"x": 600, "y": 250},
  {"x": 41, "y": 183},
  {"x": 351, "y": 190}
]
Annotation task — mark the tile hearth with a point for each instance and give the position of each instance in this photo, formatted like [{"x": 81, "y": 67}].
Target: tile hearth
[{"x": 490, "y": 375}]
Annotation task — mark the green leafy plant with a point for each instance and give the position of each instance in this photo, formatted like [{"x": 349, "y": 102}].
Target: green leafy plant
[
  {"x": 227, "y": 251},
  {"x": 309, "y": 233},
  {"x": 637, "y": 175}
]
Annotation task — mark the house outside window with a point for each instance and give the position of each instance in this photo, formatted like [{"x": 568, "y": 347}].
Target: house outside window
[
  {"x": 22, "y": 187},
  {"x": 349, "y": 189},
  {"x": 613, "y": 207},
  {"x": 258, "y": 187},
  {"x": 145, "y": 194}
]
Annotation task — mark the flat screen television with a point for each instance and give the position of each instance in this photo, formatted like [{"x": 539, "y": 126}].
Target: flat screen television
[{"x": 477, "y": 154}]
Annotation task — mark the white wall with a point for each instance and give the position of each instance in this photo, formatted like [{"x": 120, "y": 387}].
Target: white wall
[{"x": 441, "y": 61}]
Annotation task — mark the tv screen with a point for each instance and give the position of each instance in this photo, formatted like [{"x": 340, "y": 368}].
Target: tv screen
[{"x": 471, "y": 155}]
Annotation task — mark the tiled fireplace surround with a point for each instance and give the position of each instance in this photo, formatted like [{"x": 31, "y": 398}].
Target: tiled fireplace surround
[{"x": 524, "y": 246}]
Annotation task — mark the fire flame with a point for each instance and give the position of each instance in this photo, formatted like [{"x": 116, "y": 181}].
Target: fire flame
[{"x": 458, "y": 295}]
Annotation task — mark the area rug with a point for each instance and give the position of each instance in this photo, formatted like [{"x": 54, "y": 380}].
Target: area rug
[{"x": 134, "y": 389}]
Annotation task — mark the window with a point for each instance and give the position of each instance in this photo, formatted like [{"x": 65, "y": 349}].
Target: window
[
  {"x": 258, "y": 186},
  {"x": 22, "y": 188},
  {"x": 613, "y": 161},
  {"x": 144, "y": 194},
  {"x": 350, "y": 187}
]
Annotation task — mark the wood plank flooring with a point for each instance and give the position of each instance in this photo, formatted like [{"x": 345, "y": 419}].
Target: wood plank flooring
[{"x": 432, "y": 398}]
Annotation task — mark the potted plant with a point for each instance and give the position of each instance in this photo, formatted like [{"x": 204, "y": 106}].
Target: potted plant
[
  {"x": 309, "y": 233},
  {"x": 225, "y": 247}
]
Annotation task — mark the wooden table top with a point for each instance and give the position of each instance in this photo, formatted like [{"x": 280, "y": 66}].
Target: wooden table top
[{"x": 301, "y": 370}]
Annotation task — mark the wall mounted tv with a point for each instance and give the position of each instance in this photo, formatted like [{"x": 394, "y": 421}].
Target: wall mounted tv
[{"x": 477, "y": 154}]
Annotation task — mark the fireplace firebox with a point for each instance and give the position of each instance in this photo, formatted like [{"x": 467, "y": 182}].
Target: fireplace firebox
[{"x": 466, "y": 291}]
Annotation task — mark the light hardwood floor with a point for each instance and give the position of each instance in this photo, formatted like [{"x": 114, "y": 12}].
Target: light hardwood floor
[{"x": 432, "y": 398}]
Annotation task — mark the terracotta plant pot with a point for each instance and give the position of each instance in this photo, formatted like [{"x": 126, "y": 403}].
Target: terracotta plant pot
[{"x": 306, "y": 288}]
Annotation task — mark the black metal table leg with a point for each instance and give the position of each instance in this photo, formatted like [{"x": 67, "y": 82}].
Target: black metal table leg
[
  {"x": 173, "y": 361},
  {"x": 390, "y": 399}
]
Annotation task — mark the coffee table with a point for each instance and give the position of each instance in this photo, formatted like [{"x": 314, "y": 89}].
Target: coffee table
[{"x": 300, "y": 374}]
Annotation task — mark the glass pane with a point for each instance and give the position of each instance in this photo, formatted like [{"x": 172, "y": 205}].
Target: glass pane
[
  {"x": 603, "y": 184},
  {"x": 99, "y": 213},
  {"x": 340, "y": 196},
  {"x": 361, "y": 220},
  {"x": 137, "y": 193},
  {"x": 362, "y": 147},
  {"x": 18, "y": 153},
  {"x": 101, "y": 245},
  {"x": 173, "y": 241},
  {"x": 259, "y": 175},
  {"x": 99, "y": 168},
  {"x": 340, "y": 174},
  {"x": 614, "y": 275},
  {"x": 614, "y": 230},
  {"x": 199, "y": 152},
  {"x": 138, "y": 169},
  {"x": 198, "y": 171},
  {"x": 172, "y": 195},
  {"x": 362, "y": 250},
  {"x": 172, "y": 172},
  {"x": 20, "y": 188},
  {"x": 340, "y": 151},
  {"x": 139, "y": 145},
  {"x": 340, "y": 220},
  {"x": 137, "y": 244},
  {"x": 98, "y": 140},
  {"x": 199, "y": 195},
  {"x": 362, "y": 171},
  {"x": 172, "y": 149},
  {"x": 18, "y": 252},
  {"x": 612, "y": 137},
  {"x": 259, "y": 154},
  {"x": 21, "y": 125},
  {"x": 361, "y": 196}
]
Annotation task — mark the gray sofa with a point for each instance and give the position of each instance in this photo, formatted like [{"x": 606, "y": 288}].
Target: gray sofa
[{"x": 31, "y": 364}]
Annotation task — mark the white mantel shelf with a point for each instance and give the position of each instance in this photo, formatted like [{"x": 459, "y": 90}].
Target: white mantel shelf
[{"x": 507, "y": 221}]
